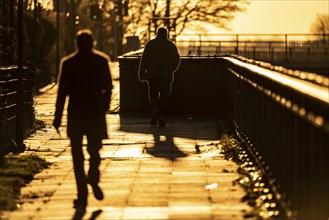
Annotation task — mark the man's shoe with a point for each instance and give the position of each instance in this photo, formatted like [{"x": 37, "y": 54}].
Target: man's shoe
[
  {"x": 154, "y": 121},
  {"x": 162, "y": 123},
  {"x": 97, "y": 191},
  {"x": 155, "y": 116}
]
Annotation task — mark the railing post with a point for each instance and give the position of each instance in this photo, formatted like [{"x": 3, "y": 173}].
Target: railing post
[
  {"x": 254, "y": 53},
  {"x": 286, "y": 47},
  {"x": 237, "y": 45},
  {"x": 200, "y": 42}
]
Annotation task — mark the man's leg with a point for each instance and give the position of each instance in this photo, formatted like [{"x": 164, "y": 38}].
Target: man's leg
[
  {"x": 165, "y": 91},
  {"x": 154, "y": 97},
  {"x": 94, "y": 146},
  {"x": 78, "y": 164}
]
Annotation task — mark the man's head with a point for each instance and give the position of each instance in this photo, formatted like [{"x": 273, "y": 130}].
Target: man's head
[
  {"x": 85, "y": 40},
  {"x": 162, "y": 32}
]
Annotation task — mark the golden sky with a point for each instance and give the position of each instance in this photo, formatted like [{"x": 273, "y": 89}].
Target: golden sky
[
  {"x": 279, "y": 16},
  {"x": 272, "y": 17}
]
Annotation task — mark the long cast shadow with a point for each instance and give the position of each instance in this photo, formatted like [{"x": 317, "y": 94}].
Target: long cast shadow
[
  {"x": 79, "y": 213},
  {"x": 95, "y": 214},
  {"x": 163, "y": 145}
]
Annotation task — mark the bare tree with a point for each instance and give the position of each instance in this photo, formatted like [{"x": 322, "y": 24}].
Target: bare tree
[
  {"x": 321, "y": 26},
  {"x": 137, "y": 16},
  {"x": 182, "y": 12}
]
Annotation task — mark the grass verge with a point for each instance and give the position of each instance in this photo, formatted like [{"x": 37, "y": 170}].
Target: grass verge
[{"x": 15, "y": 172}]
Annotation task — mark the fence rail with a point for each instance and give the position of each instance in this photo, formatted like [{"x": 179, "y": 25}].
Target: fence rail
[
  {"x": 271, "y": 48},
  {"x": 8, "y": 103}
]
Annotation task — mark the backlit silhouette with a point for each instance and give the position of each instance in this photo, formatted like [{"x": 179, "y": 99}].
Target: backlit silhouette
[{"x": 85, "y": 77}]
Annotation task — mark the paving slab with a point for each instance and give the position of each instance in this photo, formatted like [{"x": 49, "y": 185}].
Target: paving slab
[{"x": 146, "y": 172}]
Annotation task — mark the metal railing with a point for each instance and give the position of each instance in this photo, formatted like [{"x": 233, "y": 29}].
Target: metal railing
[
  {"x": 8, "y": 103},
  {"x": 271, "y": 47},
  {"x": 285, "y": 122}
]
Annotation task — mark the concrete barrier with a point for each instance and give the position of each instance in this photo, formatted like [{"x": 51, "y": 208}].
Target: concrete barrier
[{"x": 199, "y": 85}]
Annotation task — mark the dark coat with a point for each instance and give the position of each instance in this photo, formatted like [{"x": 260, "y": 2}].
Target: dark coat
[
  {"x": 85, "y": 77},
  {"x": 160, "y": 59}
]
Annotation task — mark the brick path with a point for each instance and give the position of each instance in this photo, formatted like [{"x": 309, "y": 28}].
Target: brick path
[{"x": 146, "y": 172}]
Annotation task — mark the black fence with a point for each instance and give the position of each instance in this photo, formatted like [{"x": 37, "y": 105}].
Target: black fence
[
  {"x": 306, "y": 52},
  {"x": 285, "y": 117},
  {"x": 282, "y": 114},
  {"x": 8, "y": 104},
  {"x": 270, "y": 47}
]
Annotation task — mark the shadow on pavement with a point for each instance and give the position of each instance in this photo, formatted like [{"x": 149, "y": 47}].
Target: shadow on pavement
[
  {"x": 163, "y": 145},
  {"x": 79, "y": 213},
  {"x": 95, "y": 214}
]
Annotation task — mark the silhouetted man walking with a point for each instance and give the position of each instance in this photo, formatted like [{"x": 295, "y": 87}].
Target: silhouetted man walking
[
  {"x": 85, "y": 78},
  {"x": 159, "y": 61}
]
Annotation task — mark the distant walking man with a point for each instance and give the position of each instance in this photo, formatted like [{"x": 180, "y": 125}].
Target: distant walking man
[
  {"x": 159, "y": 61},
  {"x": 85, "y": 78}
]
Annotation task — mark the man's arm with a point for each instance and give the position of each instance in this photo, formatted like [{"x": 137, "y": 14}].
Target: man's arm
[
  {"x": 176, "y": 59},
  {"x": 142, "y": 72},
  {"x": 61, "y": 95},
  {"x": 108, "y": 85}
]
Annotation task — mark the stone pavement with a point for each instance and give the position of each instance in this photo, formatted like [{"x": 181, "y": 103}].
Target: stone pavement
[{"x": 146, "y": 172}]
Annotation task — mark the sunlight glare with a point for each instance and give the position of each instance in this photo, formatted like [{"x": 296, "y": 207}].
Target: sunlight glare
[{"x": 45, "y": 4}]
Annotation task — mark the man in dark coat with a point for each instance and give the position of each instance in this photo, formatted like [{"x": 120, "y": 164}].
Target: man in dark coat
[
  {"x": 86, "y": 79},
  {"x": 159, "y": 61}
]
